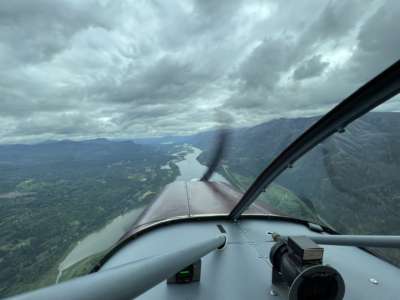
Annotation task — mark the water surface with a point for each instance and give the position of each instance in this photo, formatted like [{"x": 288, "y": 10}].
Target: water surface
[{"x": 191, "y": 169}]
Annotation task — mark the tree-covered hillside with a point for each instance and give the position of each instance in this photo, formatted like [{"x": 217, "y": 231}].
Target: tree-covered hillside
[{"x": 53, "y": 194}]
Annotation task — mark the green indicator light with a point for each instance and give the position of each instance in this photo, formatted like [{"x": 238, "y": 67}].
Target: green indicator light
[{"x": 184, "y": 273}]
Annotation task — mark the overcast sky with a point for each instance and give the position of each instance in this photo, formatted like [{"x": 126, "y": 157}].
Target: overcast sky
[{"x": 124, "y": 69}]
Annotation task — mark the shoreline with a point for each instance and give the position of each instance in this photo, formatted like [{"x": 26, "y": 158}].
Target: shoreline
[{"x": 61, "y": 269}]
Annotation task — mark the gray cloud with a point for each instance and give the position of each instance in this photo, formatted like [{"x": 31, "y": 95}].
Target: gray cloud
[
  {"x": 310, "y": 68},
  {"x": 266, "y": 62},
  {"x": 328, "y": 51},
  {"x": 124, "y": 69},
  {"x": 34, "y": 31},
  {"x": 378, "y": 42},
  {"x": 336, "y": 20}
]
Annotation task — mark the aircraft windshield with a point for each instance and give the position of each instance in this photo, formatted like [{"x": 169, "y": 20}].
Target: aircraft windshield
[
  {"x": 350, "y": 182},
  {"x": 103, "y": 103}
]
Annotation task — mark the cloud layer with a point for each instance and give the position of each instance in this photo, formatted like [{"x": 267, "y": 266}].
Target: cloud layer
[{"x": 125, "y": 69}]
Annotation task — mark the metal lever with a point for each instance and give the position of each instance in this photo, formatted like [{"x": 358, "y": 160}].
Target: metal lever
[
  {"x": 381, "y": 241},
  {"x": 127, "y": 281}
]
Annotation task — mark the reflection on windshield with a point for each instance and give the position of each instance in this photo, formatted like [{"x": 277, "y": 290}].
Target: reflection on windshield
[{"x": 350, "y": 182}]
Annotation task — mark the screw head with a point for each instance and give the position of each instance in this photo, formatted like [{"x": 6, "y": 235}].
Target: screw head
[
  {"x": 373, "y": 281},
  {"x": 273, "y": 293}
]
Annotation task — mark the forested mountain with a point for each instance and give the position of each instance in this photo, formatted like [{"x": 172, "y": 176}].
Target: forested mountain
[{"x": 351, "y": 180}]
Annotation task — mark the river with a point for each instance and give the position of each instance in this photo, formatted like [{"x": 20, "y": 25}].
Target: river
[{"x": 190, "y": 169}]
